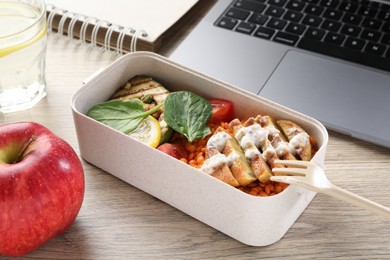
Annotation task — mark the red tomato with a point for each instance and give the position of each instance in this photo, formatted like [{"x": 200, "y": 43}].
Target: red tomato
[
  {"x": 222, "y": 110},
  {"x": 174, "y": 150}
]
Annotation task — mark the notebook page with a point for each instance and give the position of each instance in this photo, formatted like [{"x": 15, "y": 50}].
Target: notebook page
[{"x": 153, "y": 16}]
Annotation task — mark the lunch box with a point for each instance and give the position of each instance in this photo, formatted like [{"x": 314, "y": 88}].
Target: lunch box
[{"x": 253, "y": 220}]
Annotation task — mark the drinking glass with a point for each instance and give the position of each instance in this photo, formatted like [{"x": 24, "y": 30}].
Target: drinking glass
[{"x": 22, "y": 54}]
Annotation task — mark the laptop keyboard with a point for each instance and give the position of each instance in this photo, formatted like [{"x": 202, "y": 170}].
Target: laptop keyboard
[{"x": 357, "y": 31}]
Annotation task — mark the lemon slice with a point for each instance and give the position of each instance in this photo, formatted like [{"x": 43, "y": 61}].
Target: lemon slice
[{"x": 148, "y": 131}]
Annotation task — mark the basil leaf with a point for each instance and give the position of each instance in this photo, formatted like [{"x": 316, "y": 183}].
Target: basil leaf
[
  {"x": 122, "y": 115},
  {"x": 188, "y": 114}
]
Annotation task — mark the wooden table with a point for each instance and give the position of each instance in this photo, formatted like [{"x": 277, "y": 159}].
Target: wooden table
[{"x": 118, "y": 221}]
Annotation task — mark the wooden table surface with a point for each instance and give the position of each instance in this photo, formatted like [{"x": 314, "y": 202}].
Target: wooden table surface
[{"x": 119, "y": 221}]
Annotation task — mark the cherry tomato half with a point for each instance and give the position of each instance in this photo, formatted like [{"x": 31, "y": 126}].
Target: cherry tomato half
[
  {"x": 175, "y": 150},
  {"x": 222, "y": 110}
]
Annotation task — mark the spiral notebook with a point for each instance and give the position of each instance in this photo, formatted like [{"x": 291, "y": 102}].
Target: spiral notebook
[{"x": 120, "y": 25}]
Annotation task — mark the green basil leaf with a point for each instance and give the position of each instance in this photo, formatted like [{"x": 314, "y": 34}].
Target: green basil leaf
[
  {"x": 122, "y": 115},
  {"x": 188, "y": 114}
]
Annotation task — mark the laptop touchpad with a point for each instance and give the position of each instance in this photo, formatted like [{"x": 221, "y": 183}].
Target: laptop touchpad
[{"x": 343, "y": 97}]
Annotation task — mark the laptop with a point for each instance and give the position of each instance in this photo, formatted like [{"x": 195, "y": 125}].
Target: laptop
[{"x": 329, "y": 59}]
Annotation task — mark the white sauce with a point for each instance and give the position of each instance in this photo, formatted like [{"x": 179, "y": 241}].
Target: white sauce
[
  {"x": 297, "y": 142},
  {"x": 268, "y": 153},
  {"x": 215, "y": 162},
  {"x": 251, "y": 135},
  {"x": 282, "y": 149},
  {"x": 231, "y": 158},
  {"x": 218, "y": 140},
  {"x": 272, "y": 130},
  {"x": 252, "y": 153},
  {"x": 291, "y": 130}
]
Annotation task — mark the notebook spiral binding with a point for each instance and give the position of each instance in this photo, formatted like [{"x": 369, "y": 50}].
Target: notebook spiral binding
[{"x": 72, "y": 19}]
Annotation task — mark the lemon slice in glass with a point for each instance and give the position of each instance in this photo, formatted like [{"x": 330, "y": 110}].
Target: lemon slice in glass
[
  {"x": 148, "y": 131},
  {"x": 26, "y": 26}
]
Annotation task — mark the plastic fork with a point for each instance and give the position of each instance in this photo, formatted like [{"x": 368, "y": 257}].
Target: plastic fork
[{"x": 312, "y": 177}]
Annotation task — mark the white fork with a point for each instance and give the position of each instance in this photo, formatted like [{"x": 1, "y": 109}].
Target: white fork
[{"x": 312, "y": 177}]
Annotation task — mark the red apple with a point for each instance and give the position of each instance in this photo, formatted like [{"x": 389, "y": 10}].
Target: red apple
[{"x": 41, "y": 187}]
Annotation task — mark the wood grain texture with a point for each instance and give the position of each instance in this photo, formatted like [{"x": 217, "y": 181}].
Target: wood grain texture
[{"x": 118, "y": 221}]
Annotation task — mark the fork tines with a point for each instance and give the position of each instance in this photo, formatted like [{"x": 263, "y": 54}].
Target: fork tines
[{"x": 294, "y": 168}]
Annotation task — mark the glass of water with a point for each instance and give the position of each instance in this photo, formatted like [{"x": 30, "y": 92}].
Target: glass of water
[{"x": 22, "y": 54}]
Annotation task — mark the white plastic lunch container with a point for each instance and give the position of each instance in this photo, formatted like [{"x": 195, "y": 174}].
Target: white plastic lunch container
[{"x": 256, "y": 221}]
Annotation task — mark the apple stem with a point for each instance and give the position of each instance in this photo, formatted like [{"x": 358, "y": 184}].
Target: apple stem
[{"x": 19, "y": 157}]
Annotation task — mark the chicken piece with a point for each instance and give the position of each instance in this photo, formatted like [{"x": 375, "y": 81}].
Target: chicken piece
[
  {"x": 240, "y": 168},
  {"x": 233, "y": 154},
  {"x": 273, "y": 147},
  {"x": 221, "y": 169},
  {"x": 298, "y": 139},
  {"x": 252, "y": 153},
  {"x": 143, "y": 88}
]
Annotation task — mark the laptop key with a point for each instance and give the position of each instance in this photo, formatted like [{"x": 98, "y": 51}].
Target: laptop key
[
  {"x": 312, "y": 1},
  {"x": 237, "y": 13},
  {"x": 352, "y": 19},
  {"x": 354, "y": 43},
  {"x": 274, "y": 11},
  {"x": 348, "y": 7},
  {"x": 286, "y": 38},
  {"x": 258, "y": 18},
  {"x": 331, "y": 25},
  {"x": 276, "y": 23},
  {"x": 312, "y": 20},
  {"x": 295, "y": 28},
  {"x": 245, "y": 27},
  {"x": 293, "y": 16},
  {"x": 371, "y": 35},
  {"x": 350, "y": 30},
  {"x": 333, "y": 14},
  {"x": 315, "y": 33},
  {"x": 367, "y": 11},
  {"x": 277, "y": 2},
  {"x": 250, "y": 5},
  {"x": 384, "y": 15},
  {"x": 334, "y": 38},
  {"x": 372, "y": 23},
  {"x": 295, "y": 5},
  {"x": 375, "y": 48},
  {"x": 329, "y": 3},
  {"x": 265, "y": 33},
  {"x": 314, "y": 9},
  {"x": 344, "y": 53},
  {"x": 227, "y": 23}
]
